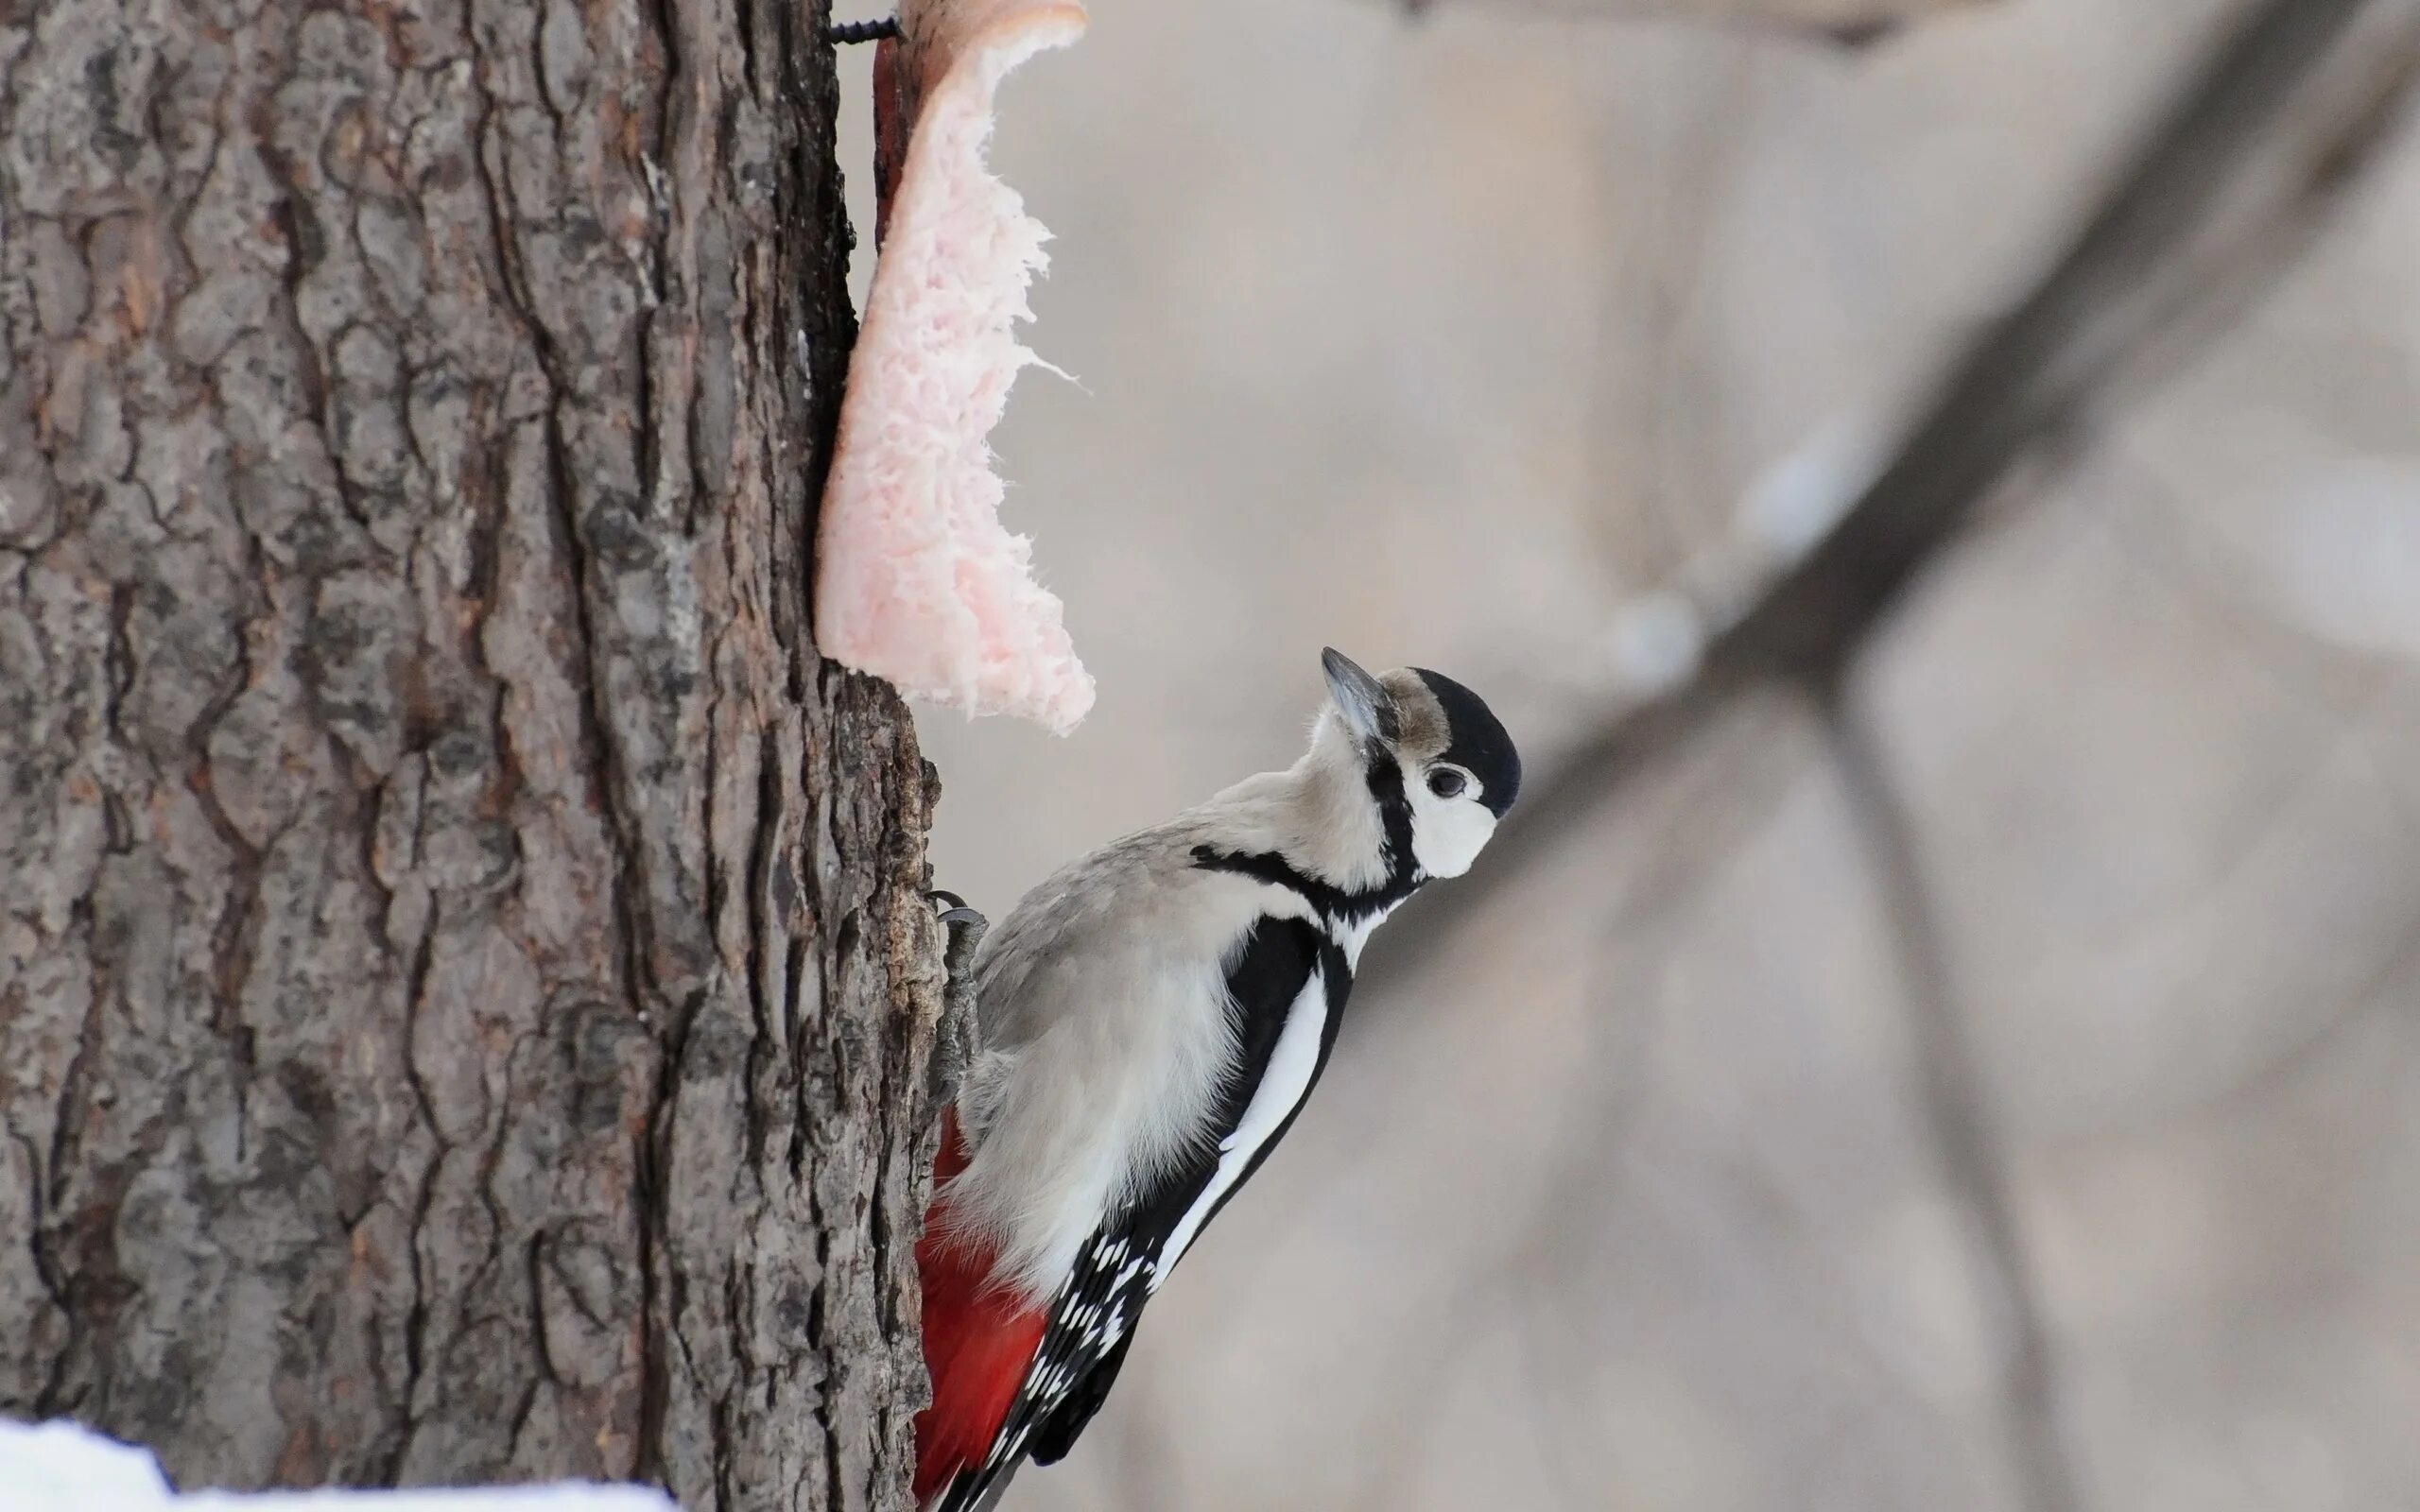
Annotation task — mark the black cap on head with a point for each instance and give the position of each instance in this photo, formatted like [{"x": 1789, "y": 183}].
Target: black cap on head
[{"x": 1479, "y": 742}]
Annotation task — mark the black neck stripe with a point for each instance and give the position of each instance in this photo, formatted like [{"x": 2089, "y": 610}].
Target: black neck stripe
[
  {"x": 1335, "y": 904},
  {"x": 1384, "y": 777}
]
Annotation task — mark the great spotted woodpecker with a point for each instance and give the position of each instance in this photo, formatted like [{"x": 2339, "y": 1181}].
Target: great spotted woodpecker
[{"x": 1150, "y": 1020}]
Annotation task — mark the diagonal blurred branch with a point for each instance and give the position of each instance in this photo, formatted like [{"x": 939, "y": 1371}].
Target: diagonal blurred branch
[
  {"x": 2279, "y": 121},
  {"x": 1951, "y": 1099},
  {"x": 1849, "y": 22}
]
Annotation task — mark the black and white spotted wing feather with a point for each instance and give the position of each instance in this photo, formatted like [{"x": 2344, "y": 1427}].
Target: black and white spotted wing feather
[{"x": 1286, "y": 988}]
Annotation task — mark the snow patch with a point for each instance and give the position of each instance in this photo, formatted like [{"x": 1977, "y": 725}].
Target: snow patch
[
  {"x": 2344, "y": 557},
  {"x": 1656, "y": 643},
  {"x": 1799, "y": 497},
  {"x": 62, "y": 1467}
]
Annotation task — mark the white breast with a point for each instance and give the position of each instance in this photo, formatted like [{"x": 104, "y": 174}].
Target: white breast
[{"x": 1292, "y": 1061}]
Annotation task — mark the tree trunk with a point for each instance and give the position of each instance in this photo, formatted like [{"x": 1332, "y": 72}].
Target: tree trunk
[{"x": 464, "y": 982}]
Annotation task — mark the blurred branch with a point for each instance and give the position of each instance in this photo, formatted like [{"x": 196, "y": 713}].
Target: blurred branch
[
  {"x": 1951, "y": 1099},
  {"x": 1852, "y": 22},
  {"x": 1591, "y": 1168},
  {"x": 2268, "y": 134}
]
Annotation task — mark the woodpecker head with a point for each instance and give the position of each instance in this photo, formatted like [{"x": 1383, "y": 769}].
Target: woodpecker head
[{"x": 1437, "y": 763}]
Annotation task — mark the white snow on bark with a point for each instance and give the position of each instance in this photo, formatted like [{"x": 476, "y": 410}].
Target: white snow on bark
[{"x": 62, "y": 1467}]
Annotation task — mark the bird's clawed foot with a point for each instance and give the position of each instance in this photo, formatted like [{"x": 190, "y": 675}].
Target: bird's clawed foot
[
  {"x": 954, "y": 913},
  {"x": 959, "y": 1031}
]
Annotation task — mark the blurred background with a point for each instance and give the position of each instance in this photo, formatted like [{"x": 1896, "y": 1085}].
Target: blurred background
[{"x": 1997, "y": 1088}]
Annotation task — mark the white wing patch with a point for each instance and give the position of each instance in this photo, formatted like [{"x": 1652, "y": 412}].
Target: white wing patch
[
  {"x": 1351, "y": 937},
  {"x": 1292, "y": 1061}
]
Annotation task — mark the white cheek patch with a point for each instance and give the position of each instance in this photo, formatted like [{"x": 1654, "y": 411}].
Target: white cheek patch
[{"x": 1447, "y": 834}]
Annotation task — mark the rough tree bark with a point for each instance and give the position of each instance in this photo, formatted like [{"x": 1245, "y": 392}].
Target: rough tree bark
[{"x": 464, "y": 983}]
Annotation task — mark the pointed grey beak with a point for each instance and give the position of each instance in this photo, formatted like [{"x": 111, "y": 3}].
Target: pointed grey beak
[{"x": 1368, "y": 708}]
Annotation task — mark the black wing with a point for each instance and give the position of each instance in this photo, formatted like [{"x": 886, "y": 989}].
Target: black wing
[
  {"x": 1066, "y": 1425},
  {"x": 1287, "y": 966}
]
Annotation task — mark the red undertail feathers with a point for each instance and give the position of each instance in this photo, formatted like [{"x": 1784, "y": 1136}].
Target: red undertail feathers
[{"x": 979, "y": 1339}]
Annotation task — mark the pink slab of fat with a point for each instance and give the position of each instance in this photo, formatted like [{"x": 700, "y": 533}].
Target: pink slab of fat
[{"x": 916, "y": 578}]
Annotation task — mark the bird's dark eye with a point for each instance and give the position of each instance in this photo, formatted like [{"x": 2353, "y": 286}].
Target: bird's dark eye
[{"x": 1446, "y": 783}]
